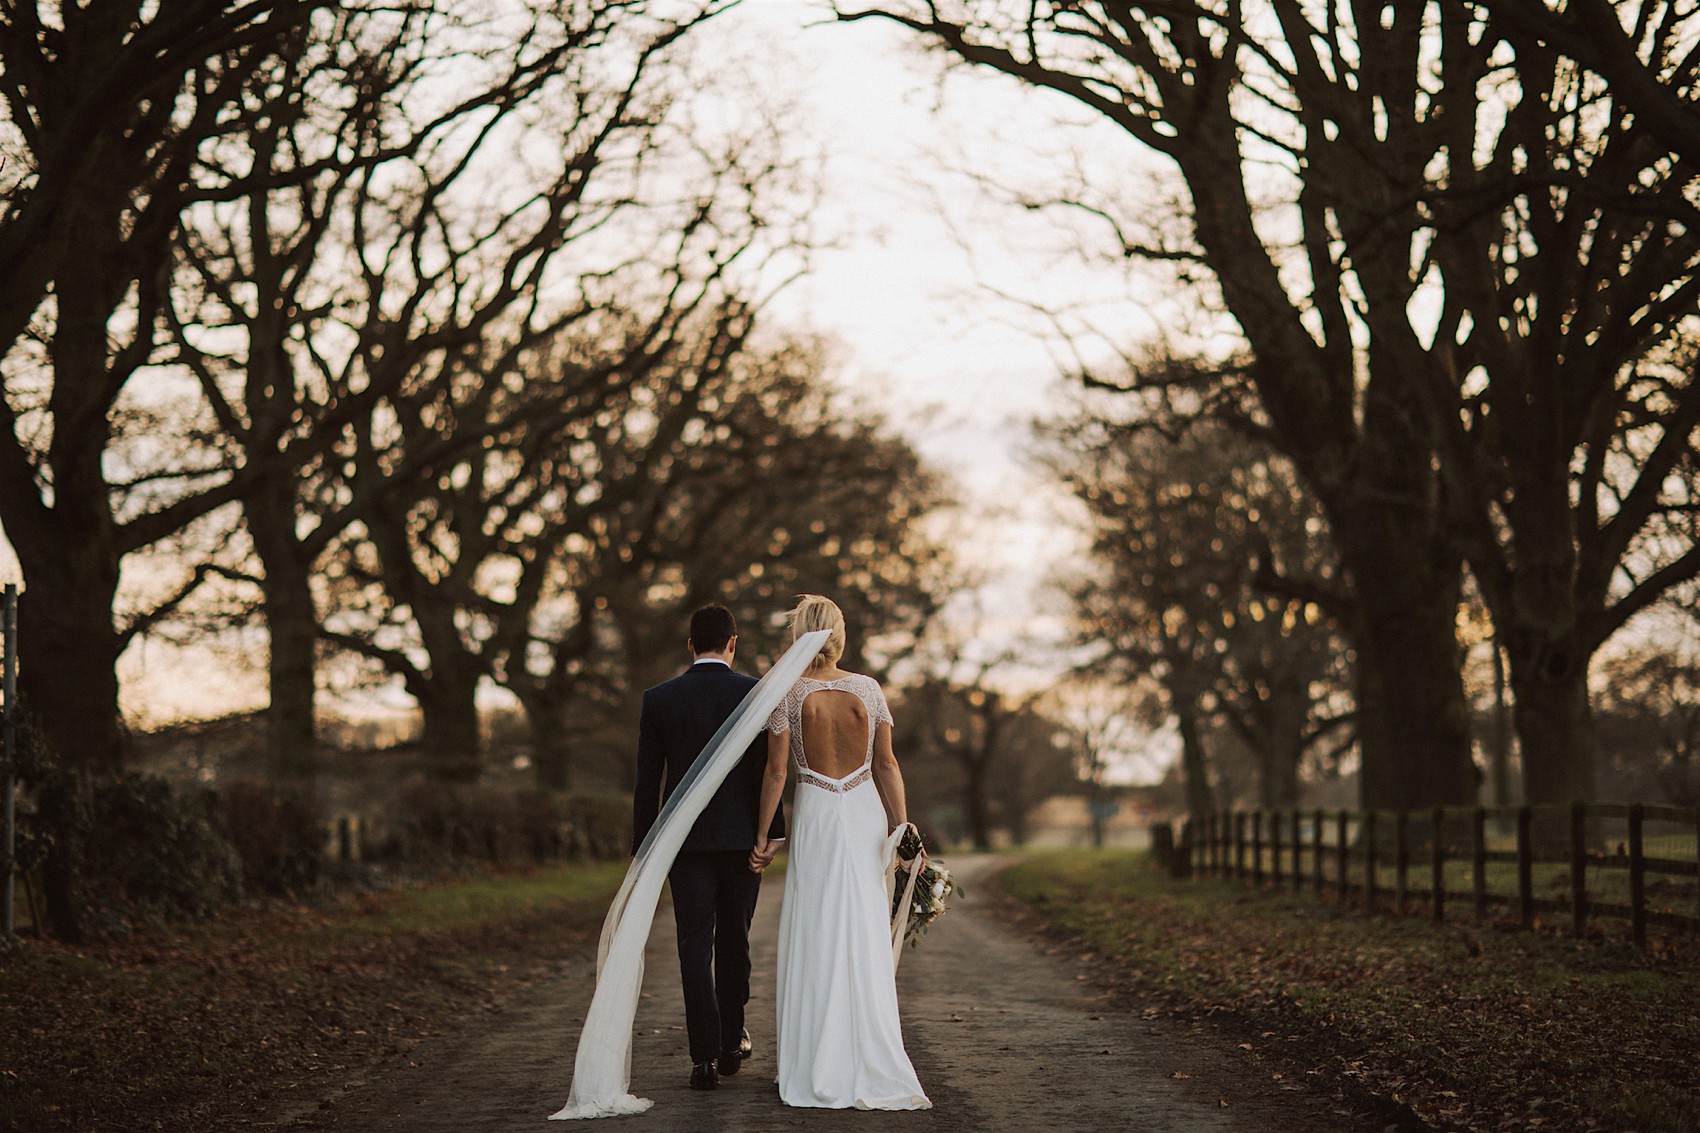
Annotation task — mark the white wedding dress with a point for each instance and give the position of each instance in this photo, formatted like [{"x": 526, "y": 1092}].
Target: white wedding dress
[
  {"x": 839, "y": 1037},
  {"x": 602, "y": 1068}
]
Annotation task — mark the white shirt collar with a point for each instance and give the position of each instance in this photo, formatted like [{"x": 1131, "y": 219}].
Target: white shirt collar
[{"x": 708, "y": 661}]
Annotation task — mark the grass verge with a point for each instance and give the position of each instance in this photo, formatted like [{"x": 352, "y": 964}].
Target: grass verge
[
  {"x": 1442, "y": 1027},
  {"x": 183, "y": 1029}
]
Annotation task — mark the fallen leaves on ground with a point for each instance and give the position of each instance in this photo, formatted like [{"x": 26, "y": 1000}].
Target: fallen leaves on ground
[
  {"x": 207, "y": 1027},
  {"x": 1427, "y": 1027}
]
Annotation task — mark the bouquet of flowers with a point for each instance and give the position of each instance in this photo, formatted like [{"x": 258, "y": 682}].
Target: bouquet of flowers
[{"x": 933, "y": 884}]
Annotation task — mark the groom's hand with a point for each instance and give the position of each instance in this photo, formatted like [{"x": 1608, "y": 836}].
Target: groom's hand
[{"x": 762, "y": 856}]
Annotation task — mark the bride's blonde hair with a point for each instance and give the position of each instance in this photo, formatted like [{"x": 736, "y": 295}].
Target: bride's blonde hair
[{"x": 813, "y": 612}]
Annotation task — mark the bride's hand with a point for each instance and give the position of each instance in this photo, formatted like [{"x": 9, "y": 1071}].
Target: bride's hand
[{"x": 761, "y": 856}]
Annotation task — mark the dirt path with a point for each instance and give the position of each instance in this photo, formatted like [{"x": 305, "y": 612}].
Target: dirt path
[{"x": 1004, "y": 1034}]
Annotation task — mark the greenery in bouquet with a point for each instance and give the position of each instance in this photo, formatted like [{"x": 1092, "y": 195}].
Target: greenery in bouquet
[{"x": 933, "y": 887}]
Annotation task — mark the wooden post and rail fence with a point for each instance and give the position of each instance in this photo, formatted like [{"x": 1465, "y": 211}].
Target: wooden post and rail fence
[{"x": 1639, "y": 863}]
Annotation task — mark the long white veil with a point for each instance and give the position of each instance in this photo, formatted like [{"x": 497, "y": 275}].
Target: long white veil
[{"x": 603, "y": 1069}]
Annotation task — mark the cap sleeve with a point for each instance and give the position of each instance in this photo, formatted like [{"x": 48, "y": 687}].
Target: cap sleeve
[
  {"x": 780, "y": 721},
  {"x": 882, "y": 710}
]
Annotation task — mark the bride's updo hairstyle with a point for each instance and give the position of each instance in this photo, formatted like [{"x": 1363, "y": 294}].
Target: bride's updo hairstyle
[{"x": 816, "y": 612}]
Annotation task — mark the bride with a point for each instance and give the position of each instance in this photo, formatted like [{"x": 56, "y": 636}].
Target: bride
[{"x": 839, "y": 1036}]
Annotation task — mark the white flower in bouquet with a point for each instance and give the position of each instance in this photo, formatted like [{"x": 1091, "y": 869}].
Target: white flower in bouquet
[{"x": 933, "y": 887}]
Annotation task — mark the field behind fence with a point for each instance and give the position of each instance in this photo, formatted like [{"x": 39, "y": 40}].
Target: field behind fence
[{"x": 1639, "y": 863}]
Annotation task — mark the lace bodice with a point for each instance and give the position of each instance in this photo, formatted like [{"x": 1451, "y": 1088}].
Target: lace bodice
[{"x": 788, "y": 717}]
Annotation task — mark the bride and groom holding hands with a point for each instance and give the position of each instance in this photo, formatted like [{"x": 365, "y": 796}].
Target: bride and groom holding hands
[{"x": 715, "y": 749}]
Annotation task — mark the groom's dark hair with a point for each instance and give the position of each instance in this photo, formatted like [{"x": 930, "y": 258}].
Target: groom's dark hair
[{"x": 711, "y": 628}]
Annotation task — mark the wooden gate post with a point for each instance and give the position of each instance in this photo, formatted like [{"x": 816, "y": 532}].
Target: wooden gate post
[
  {"x": 1316, "y": 851},
  {"x": 1257, "y": 848},
  {"x": 1369, "y": 860},
  {"x": 1342, "y": 852},
  {"x": 1298, "y": 852}
]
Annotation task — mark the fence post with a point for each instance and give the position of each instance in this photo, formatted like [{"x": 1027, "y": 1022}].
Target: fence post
[
  {"x": 1240, "y": 846},
  {"x": 1578, "y": 869},
  {"x": 9, "y": 726},
  {"x": 1275, "y": 848},
  {"x": 1637, "y": 877},
  {"x": 1401, "y": 860},
  {"x": 1224, "y": 858},
  {"x": 1478, "y": 860},
  {"x": 1369, "y": 859},
  {"x": 1438, "y": 874},
  {"x": 1526, "y": 867},
  {"x": 1297, "y": 853},
  {"x": 1257, "y": 848},
  {"x": 1342, "y": 850},
  {"x": 1316, "y": 852}
]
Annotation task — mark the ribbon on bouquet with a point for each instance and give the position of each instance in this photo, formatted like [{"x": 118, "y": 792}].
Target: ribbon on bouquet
[{"x": 900, "y": 913}]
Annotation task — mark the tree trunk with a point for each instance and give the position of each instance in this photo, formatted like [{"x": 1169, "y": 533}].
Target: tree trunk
[
  {"x": 69, "y": 650},
  {"x": 1281, "y": 772},
  {"x": 453, "y": 751},
  {"x": 1281, "y": 747},
  {"x": 293, "y": 627},
  {"x": 551, "y": 752},
  {"x": 1195, "y": 764},
  {"x": 1414, "y": 730},
  {"x": 975, "y": 809},
  {"x": 1554, "y": 723},
  {"x": 69, "y": 551}
]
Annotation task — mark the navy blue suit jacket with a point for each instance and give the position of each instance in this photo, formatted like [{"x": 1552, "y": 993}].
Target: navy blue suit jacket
[{"x": 679, "y": 717}]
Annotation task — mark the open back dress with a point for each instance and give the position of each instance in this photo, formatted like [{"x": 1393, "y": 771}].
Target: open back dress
[{"x": 839, "y": 1036}]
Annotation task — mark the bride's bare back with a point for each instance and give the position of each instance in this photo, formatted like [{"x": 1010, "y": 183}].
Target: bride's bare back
[
  {"x": 831, "y": 725},
  {"x": 835, "y": 728}
]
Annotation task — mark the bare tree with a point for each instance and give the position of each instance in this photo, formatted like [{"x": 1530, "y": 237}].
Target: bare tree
[
  {"x": 1211, "y": 574},
  {"x": 438, "y": 585},
  {"x": 407, "y": 260},
  {"x": 1454, "y": 261},
  {"x": 1650, "y": 726},
  {"x": 774, "y": 488},
  {"x": 109, "y": 111}
]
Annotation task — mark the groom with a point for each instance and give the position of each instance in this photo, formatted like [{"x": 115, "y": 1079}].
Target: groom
[{"x": 714, "y": 889}]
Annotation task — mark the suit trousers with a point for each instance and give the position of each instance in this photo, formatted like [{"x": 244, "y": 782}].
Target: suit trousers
[{"x": 714, "y": 900}]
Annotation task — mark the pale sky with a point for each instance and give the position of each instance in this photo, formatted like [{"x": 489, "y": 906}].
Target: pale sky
[{"x": 958, "y": 370}]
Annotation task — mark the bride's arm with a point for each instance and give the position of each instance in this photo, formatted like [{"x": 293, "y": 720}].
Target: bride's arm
[
  {"x": 772, "y": 786},
  {"x": 889, "y": 778}
]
